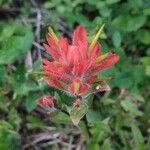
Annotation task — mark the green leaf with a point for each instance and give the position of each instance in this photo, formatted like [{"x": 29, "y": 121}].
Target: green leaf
[
  {"x": 146, "y": 63},
  {"x": 30, "y": 101},
  {"x": 61, "y": 117},
  {"x": 135, "y": 4},
  {"x": 138, "y": 138},
  {"x": 76, "y": 113},
  {"x": 112, "y": 1},
  {"x": 146, "y": 11},
  {"x": 35, "y": 122},
  {"x": 121, "y": 53},
  {"x": 138, "y": 74},
  {"x": 124, "y": 80},
  {"x": 25, "y": 87},
  {"x": 143, "y": 36},
  {"x": 116, "y": 38},
  {"x": 18, "y": 43},
  {"x": 7, "y": 31},
  {"x": 105, "y": 11},
  {"x": 99, "y": 131},
  {"x": 14, "y": 118},
  {"x": 2, "y": 74},
  {"x": 93, "y": 117},
  {"x": 128, "y": 23},
  {"x": 128, "y": 105},
  {"x": 145, "y": 60},
  {"x": 9, "y": 138},
  {"x": 138, "y": 97},
  {"x": 84, "y": 129},
  {"x": 106, "y": 145},
  {"x": 93, "y": 146}
]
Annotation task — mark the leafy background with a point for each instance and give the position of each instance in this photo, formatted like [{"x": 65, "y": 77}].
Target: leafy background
[{"x": 119, "y": 119}]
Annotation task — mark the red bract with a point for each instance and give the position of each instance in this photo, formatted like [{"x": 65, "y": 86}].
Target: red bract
[{"x": 74, "y": 66}]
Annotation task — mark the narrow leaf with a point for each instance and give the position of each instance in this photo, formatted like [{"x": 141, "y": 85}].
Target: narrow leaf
[{"x": 138, "y": 137}]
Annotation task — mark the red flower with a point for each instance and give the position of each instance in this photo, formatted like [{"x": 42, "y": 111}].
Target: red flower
[{"x": 74, "y": 66}]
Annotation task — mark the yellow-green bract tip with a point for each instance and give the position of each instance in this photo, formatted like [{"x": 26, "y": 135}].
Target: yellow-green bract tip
[
  {"x": 96, "y": 38},
  {"x": 39, "y": 73},
  {"x": 52, "y": 33},
  {"x": 101, "y": 57},
  {"x": 76, "y": 87}
]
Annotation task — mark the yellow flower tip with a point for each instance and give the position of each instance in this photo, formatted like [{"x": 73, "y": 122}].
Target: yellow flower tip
[
  {"x": 52, "y": 33},
  {"x": 76, "y": 87},
  {"x": 96, "y": 38},
  {"x": 101, "y": 58}
]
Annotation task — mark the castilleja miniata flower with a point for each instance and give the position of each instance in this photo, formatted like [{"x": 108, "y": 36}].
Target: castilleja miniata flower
[{"x": 74, "y": 66}]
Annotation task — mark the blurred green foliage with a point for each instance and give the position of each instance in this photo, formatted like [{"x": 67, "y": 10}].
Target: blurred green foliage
[{"x": 116, "y": 120}]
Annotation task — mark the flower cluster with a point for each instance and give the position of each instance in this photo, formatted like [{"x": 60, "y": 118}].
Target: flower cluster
[{"x": 74, "y": 66}]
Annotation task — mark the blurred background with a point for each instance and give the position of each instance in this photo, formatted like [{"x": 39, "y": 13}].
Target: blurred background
[{"x": 116, "y": 120}]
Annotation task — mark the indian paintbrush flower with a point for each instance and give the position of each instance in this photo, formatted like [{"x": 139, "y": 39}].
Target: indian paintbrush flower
[{"x": 75, "y": 66}]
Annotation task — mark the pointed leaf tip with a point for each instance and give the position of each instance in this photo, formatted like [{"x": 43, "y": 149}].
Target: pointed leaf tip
[
  {"x": 96, "y": 38},
  {"x": 52, "y": 33},
  {"x": 77, "y": 113}
]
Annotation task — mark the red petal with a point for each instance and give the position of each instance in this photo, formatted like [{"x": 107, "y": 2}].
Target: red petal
[
  {"x": 91, "y": 79},
  {"x": 73, "y": 55},
  {"x": 53, "y": 52},
  {"x": 63, "y": 45},
  {"x": 49, "y": 66},
  {"x": 56, "y": 72},
  {"x": 79, "y": 35},
  {"x": 82, "y": 67},
  {"x": 83, "y": 50},
  {"x": 110, "y": 60},
  {"x": 84, "y": 89},
  {"x": 96, "y": 51},
  {"x": 78, "y": 69}
]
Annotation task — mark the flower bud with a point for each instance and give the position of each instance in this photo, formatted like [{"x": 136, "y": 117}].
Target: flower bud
[{"x": 46, "y": 101}]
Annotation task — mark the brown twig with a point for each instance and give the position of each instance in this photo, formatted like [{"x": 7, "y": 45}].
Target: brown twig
[
  {"x": 123, "y": 93},
  {"x": 41, "y": 137},
  {"x": 28, "y": 61},
  {"x": 38, "y": 46}
]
